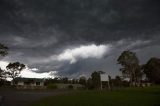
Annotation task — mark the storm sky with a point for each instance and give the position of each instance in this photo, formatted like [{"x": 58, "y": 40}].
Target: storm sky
[{"x": 77, "y": 37}]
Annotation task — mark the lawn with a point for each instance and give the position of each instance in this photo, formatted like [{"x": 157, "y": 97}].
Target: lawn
[{"x": 123, "y": 97}]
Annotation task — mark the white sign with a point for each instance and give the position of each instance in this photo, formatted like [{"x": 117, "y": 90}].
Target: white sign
[{"x": 104, "y": 77}]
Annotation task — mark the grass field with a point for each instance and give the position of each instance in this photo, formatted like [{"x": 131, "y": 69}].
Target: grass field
[{"x": 122, "y": 97}]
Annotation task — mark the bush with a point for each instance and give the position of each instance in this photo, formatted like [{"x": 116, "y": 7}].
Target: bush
[
  {"x": 70, "y": 86},
  {"x": 52, "y": 86},
  {"x": 126, "y": 84}
]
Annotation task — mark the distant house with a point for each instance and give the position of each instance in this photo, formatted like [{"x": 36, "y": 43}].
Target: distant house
[{"x": 29, "y": 83}]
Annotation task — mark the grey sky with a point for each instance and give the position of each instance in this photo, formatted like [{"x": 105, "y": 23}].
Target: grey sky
[{"x": 38, "y": 32}]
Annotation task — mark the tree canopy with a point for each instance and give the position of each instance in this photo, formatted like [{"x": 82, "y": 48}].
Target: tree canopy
[
  {"x": 82, "y": 80},
  {"x": 130, "y": 65},
  {"x": 3, "y": 52},
  {"x": 152, "y": 70},
  {"x": 14, "y": 69},
  {"x": 96, "y": 79}
]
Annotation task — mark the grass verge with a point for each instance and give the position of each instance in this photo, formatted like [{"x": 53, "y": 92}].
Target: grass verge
[{"x": 123, "y": 97}]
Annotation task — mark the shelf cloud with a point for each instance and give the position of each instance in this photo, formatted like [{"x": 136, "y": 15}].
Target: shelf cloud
[{"x": 84, "y": 52}]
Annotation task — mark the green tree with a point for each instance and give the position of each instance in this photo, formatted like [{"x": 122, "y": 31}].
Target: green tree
[
  {"x": 1, "y": 73},
  {"x": 82, "y": 80},
  {"x": 2, "y": 77},
  {"x": 90, "y": 83},
  {"x": 96, "y": 80},
  {"x": 117, "y": 81},
  {"x": 14, "y": 69},
  {"x": 130, "y": 65},
  {"x": 3, "y": 52},
  {"x": 65, "y": 80},
  {"x": 74, "y": 81},
  {"x": 152, "y": 70}
]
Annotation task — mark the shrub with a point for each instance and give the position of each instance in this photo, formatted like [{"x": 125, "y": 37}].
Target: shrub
[
  {"x": 70, "y": 86},
  {"x": 52, "y": 86}
]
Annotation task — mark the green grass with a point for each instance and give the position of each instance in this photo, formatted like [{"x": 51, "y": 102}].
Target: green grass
[{"x": 122, "y": 97}]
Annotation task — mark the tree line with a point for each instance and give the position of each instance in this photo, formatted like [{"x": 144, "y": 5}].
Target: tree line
[
  {"x": 135, "y": 72},
  {"x": 130, "y": 68}
]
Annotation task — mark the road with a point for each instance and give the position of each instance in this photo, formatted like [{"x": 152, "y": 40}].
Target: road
[{"x": 23, "y": 98}]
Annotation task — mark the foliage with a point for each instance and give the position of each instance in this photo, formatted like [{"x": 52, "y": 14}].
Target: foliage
[
  {"x": 52, "y": 86},
  {"x": 117, "y": 81},
  {"x": 70, "y": 86},
  {"x": 152, "y": 70},
  {"x": 14, "y": 69},
  {"x": 61, "y": 80},
  {"x": 3, "y": 52},
  {"x": 2, "y": 77},
  {"x": 96, "y": 80},
  {"x": 82, "y": 80},
  {"x": 74, "y": 81},
  {"x": 90, "y": 84},
  {"x": 65, "y": 80},
  {"x": 2, "y": 74},
  {"x": 130, "y": 64}
]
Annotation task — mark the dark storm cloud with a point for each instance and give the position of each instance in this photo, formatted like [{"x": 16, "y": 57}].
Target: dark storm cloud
[
  {"x": 86, "y": 67},
  {"x": 37, "y": 30},
  {"x": 89, "y": 20}
]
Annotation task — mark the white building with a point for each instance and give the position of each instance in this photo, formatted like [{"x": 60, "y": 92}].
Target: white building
[{"x": 29, "y": 83}]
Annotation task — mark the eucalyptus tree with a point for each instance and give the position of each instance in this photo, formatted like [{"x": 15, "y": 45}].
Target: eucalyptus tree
[
  {"x": 14, "y": 70},
  {"x": 130, "y": 66},
  {"x": 152, "y": 70}
]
